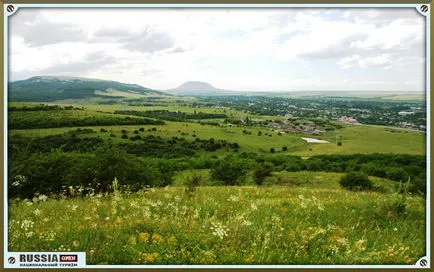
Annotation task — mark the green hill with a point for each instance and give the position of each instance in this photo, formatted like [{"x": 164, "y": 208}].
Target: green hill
[{"x": 51, "y": 88}]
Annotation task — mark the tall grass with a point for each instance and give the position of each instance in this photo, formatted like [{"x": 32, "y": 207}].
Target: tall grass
[{"x": 224, "y": 225}]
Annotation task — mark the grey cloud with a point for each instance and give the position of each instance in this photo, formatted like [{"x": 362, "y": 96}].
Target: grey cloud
[
  {"x": 337, "y": 50},
  {"x": 177, "y": 50},
  {"x": 92, "y": 61},
  {"x": 37, "y": 31},
  {"x": 148, "y": 40}
]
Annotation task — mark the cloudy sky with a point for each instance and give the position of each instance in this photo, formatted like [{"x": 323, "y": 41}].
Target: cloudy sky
[{"x": 236, "y": 49}]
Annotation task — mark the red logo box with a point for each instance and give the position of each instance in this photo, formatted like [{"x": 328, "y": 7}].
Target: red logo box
[{"x": 68, "y": 258}]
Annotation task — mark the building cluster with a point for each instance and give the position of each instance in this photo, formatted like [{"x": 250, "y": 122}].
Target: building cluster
[{"x": 349, "y": 120}]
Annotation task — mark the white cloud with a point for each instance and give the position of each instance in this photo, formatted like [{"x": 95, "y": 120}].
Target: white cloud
[{"x": 249, "y": 49}]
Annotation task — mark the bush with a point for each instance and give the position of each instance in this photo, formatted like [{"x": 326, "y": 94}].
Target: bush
[
  {"x": 356, "y": 181},
  {"x": 284, "y": 148},
  {"x": 261, "y": 172},
  {"x": 191, "y": 184},
  {"x": 396, "y": 174},
  {"x": 272, "y": 150},
  {"x": 229, "y": 171}
]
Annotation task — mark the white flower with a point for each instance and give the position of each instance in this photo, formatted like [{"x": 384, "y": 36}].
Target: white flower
[
  {"x": 233, "y": 198},
  {"x": 37, "y": 212},
  {"x": 74, "y": 207},
  {"x": 395, "y": 229},
  {"x": 246, "y": 223},
  {"x": 218, "y": 229},
  {"x": 253, "y": 207},
  {"x": 43, "y": 198}
]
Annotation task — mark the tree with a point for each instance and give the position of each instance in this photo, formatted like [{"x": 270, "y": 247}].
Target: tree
[
  {"x": 356, "y": 181},
  {"x": 262, "y": 171},
  {"x": 229, "y": 170}
]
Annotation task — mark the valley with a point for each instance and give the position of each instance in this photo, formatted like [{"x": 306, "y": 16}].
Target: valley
[{"x": 156, "y": 178}]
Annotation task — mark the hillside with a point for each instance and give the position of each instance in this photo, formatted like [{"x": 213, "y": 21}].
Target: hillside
[
  {"x": 51, "y": 88},
  {"x": 198, "y": 88}
]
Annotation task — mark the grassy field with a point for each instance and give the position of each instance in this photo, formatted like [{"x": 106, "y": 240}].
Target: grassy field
[
  {"x": 302, "y": 224},
  {"x": 356, "y": 139}
]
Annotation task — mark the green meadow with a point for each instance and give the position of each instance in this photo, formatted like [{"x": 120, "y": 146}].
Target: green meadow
[
  {"x": 298, "y": 213},
  {"x": 312, "y": 223}
]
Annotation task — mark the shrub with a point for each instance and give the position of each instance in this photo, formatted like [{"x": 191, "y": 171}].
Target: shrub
[
  {"x": 356, "y": 181},
  {"x": 229, "y": 171},
  {"x": 284, "y": 148},
  {"x": 262, "y": 171},
  {"x": 124, "y": 136},
  {"x": 396, "y": 174},
  {"x": 191, "y": 184},
  {"x": 272, "y": 150}
]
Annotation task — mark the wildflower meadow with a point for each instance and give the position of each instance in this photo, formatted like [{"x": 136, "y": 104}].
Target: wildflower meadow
[{"x": 224, "y": 225}]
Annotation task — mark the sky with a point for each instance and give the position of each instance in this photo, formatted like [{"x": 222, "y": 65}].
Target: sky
[{"x": 280, "y": 49}]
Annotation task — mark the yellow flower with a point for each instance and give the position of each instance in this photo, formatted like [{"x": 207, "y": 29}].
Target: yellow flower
[
  {"x": 156, "y": 238},
  {"x": 408, "y": 259},
  {"x": 149, "y": 257},
  {"x": 171, "y": 240},
  {"x": 144, "y": 236}
]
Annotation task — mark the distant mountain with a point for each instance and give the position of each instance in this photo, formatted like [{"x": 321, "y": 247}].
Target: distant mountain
[
  {"x": 50, "y": 88},
  {"x": 198, "y": 88}
]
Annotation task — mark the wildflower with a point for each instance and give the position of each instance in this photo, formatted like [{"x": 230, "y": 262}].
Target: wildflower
[
  {"x": 233, "y": 198},
  {"x": 156, "y": 238},
  {"x": 359, "y": 245},
  {"x": 29, "y": 234},
  {"x": 253, "y": 207},
  {"x": 149, "y": 257},
  {"x": 27, "y": 224},
  {"x": 395, "y": 229},
  {"x": 43, "y": 198},
  {"x": 219, "y": 230},
  {"x": 144, "y": 236},
  {"x": 76, "y": 243},
  {"x": 37, "y": 212},
  {"x": 172, "y": 240},
  {"x": 132, "y": 240},
  {"x": 246, "y": 223},
  {"x": 74, "y": 207}
]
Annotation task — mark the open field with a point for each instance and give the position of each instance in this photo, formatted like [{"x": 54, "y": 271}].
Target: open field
[
  {"x": 267, "y": 225},
  {"x": 356, "y": 139}
]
